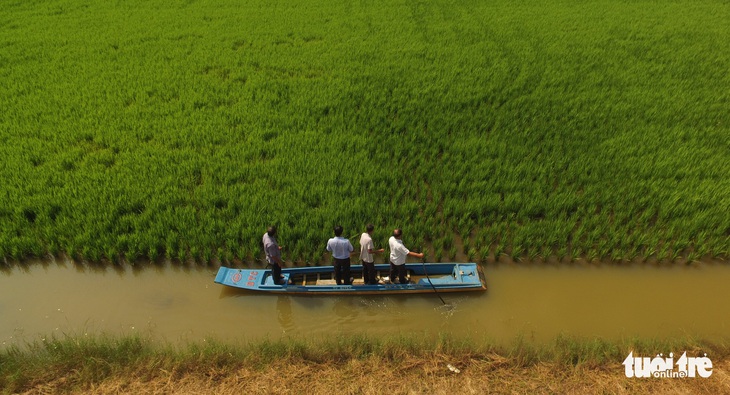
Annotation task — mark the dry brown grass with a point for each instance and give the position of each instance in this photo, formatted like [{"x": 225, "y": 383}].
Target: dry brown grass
[{"x": 411, "y": 375}]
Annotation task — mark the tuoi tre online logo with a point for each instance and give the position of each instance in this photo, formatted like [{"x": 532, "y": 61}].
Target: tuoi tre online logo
[{"x": 660, "y": 367}]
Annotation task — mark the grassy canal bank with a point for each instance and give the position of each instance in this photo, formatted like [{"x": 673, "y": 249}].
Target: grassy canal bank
[{"x": 349, "y": 364}]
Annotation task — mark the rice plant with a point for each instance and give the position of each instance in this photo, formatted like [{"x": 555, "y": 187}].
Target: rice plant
[{"x": 540, "y": 129}]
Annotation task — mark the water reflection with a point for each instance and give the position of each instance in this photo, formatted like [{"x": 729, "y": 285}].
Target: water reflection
[
  {"x": 230, "y": 292},
  {"x": 284, "y": 313},
  {"x": 346, "y": 310},
  {"x": 310, "y": 302}
]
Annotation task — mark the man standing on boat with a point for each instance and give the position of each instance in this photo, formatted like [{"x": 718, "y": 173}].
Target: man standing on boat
[
  {"x": 341, "y": 249},
  {"x": 367, "y": 249},
  {"x": 273, "y": 255},
  {"x": 398, "y": 255}
]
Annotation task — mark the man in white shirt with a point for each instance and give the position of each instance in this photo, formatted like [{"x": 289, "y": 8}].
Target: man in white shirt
[
  {"x": 398, "y": 255},
  {"x": 367, "y": 249},
  {"x": 341, "y": 249}
]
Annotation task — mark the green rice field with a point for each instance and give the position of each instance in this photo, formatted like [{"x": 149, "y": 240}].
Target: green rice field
[{"x": 561, "y": 129}]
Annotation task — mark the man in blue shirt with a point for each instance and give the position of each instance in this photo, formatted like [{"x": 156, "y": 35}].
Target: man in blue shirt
[{"x": 341, "y": 249}]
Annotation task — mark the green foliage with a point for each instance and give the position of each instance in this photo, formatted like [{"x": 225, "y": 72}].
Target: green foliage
[
  {"x": 151, "y": 128},
  {"x": 83, "y": 359}
]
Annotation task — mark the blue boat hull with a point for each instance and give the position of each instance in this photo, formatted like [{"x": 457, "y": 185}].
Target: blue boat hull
[{"x": 317, "y": 280}]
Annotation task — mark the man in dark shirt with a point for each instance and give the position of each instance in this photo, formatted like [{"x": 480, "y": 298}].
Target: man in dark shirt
[{"x": 273, "y": 255}]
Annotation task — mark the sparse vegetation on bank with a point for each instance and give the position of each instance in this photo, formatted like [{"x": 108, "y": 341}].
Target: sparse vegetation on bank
[{"x": 353, "y": 364}]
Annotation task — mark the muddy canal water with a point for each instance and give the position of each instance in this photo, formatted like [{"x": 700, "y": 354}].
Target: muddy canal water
[{"x": 177, "y": 304}]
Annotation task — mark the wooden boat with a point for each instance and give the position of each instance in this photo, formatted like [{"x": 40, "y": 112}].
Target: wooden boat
[{"x": 319, "y": 280}]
